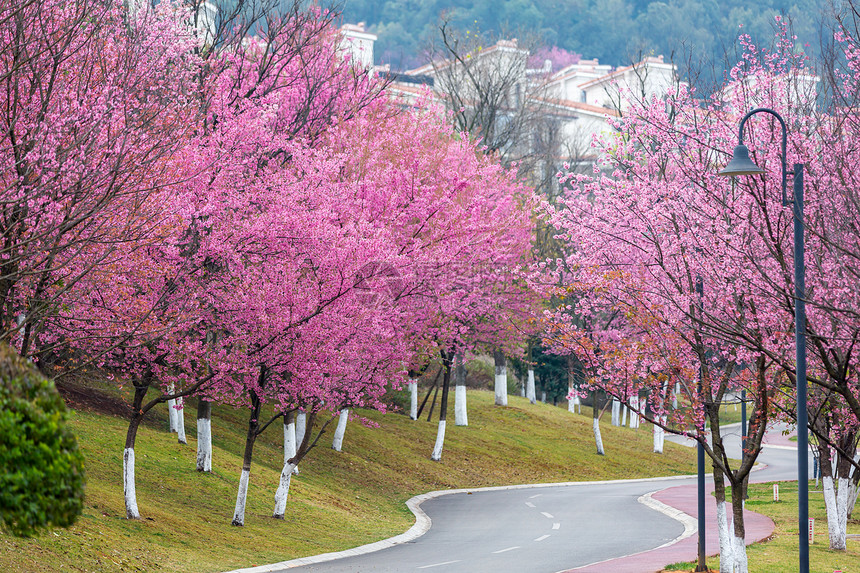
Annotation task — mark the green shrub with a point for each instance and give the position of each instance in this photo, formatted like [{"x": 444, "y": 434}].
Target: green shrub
[{"x": 41, "y": 469}]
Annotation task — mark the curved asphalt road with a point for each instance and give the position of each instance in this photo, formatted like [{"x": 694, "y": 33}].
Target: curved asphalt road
[{"x": 541, "y": 529}]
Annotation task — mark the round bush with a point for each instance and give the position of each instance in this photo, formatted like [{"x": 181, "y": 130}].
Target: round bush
[{"x": 41, "y": 468}]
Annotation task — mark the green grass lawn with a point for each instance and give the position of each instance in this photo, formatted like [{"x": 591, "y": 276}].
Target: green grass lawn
[
  {"x": 339, "y": 500},
  {"x": 779, "y": 553}
]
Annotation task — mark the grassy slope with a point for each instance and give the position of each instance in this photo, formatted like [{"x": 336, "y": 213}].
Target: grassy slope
[{"x": 338, "y": 501}]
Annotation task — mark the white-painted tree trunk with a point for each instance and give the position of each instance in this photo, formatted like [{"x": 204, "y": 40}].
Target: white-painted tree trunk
[
  {"x": 836, "y": 496},
  {"x": 204, "y": 444},
  {"x": 659, "y": 435},
  {"x": 413, "y": 399},
  {"x": 624, "y": 414},
  {"x": 172, "y": 423},
  {"x": 634, "y": 407},
  {"x": 131, "y": 510},
  {"x": 530, "y": 386},
  {"x": 436, "y": 456},
  {"x": 501, "y": 385},
  {"x": 461, "y": 416},
  {"x": 337, "y": 442},
  {"x": 241, "y": 498},
  {"x": 180, "y": 421},
  {"x": 461, "y": 412},
  {"x": 852, "y": 497},
  {"x": 739, "y": 555},
  {"x": 290, "y": 447},
  {"x": 283, "y": 491},
  {"x": 616, "y": 412},
  {"x": 675, "y": 395},
  {"x": 577, "y": 405},
  {"x": 597, "y": 439},
  {"x": 301, "y": 421},
  {"x": 726, "y": 539}
]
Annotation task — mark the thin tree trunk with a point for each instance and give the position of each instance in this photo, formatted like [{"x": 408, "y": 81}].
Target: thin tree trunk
[
  {"x": 289, "y": 468},
  {"x": 634, "y": 414},
  {"x": 461, "y": 412},
  {"x": 172, "y": 424},
  {"x": 436, "y": 456},
  {"x": 290, "y": 441},
  {"x": 301, "y": 422},
  {"x": 413, "y": 399},
  {"x": 128, "y": 483},
  {"x": 501, "y": 380},
  {"x": 725, "y": 536},
  {"x": 595, "y": 426},
  {"x": 337, "y": 441},
  {"x": 180, "y": 420},
  {"x": 530, "y": 386},
  {"x": 204, "y": 435},
  {"x": 659, "y": 434},
  {"x": 250, "y": 438},
  {"x": 739, "y": 549},
  {"x": 624, "y": 413},
  {"x": 616, "y": 412}
]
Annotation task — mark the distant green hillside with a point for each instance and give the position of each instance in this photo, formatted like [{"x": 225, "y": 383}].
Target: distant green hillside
[{"x": 615, "y": 31}]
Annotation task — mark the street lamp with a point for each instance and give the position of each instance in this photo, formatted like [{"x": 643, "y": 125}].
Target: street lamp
[{"x": 741, "y": 164}]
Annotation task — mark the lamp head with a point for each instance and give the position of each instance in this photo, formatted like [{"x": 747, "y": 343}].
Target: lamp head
[{"x": 741, "y": 164}]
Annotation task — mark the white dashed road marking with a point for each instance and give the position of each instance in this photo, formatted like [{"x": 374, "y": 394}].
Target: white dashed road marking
[
  {"x": 542, "y": 537},
  {"x": 438, "y": 564},
  {"x": 556, "y": 525},
  {"x": 506, "y": 550},
  {"x": 546, "y": 515},
  {"x": 530, "y": 504}
]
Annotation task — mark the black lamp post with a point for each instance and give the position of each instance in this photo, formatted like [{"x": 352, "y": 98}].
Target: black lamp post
[
  {"x": 702, "y": 561},
  {"x": 741, "y": 164}
]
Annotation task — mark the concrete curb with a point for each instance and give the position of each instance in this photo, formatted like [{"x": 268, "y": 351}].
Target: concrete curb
[{"x": 422, "y": 521}]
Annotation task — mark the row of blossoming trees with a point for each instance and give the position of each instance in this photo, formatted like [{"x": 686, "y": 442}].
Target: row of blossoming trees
[
  {"x": 227, "y": 207},
  {"x": 679, "y": 276}
]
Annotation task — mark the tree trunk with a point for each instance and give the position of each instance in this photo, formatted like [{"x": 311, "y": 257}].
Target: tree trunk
[
  {"x": 180, "y": 420},
  {"x": 461, "y": 413},
  {"x": 616, "y": 412},
  {"x": 337, "y": 441},
  {"x": 501, "y": 381},
  {"x": 413, "y": 399},
  {"x": 283, "y": 490},
  {"x": 301, "y": 423},
  {"x": 595, "y": 425},
  {"x": 659, "y": 434},
  {"x": 436, "y": 456},
  {"x": 128, "y": 484},
  {"x": 634, "y": 414},
  {"x": 204, "y": 436},
  {"x": 530, "y": 386},
  {"x": 725, "y": 535},
  {"x": 172, "y": 423},
  {"x": 250, "y": 438},
  {"x": 739, "y": 548},
  {"x": 623, "y": 414},
  {"x": 290, "y": 447}
]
